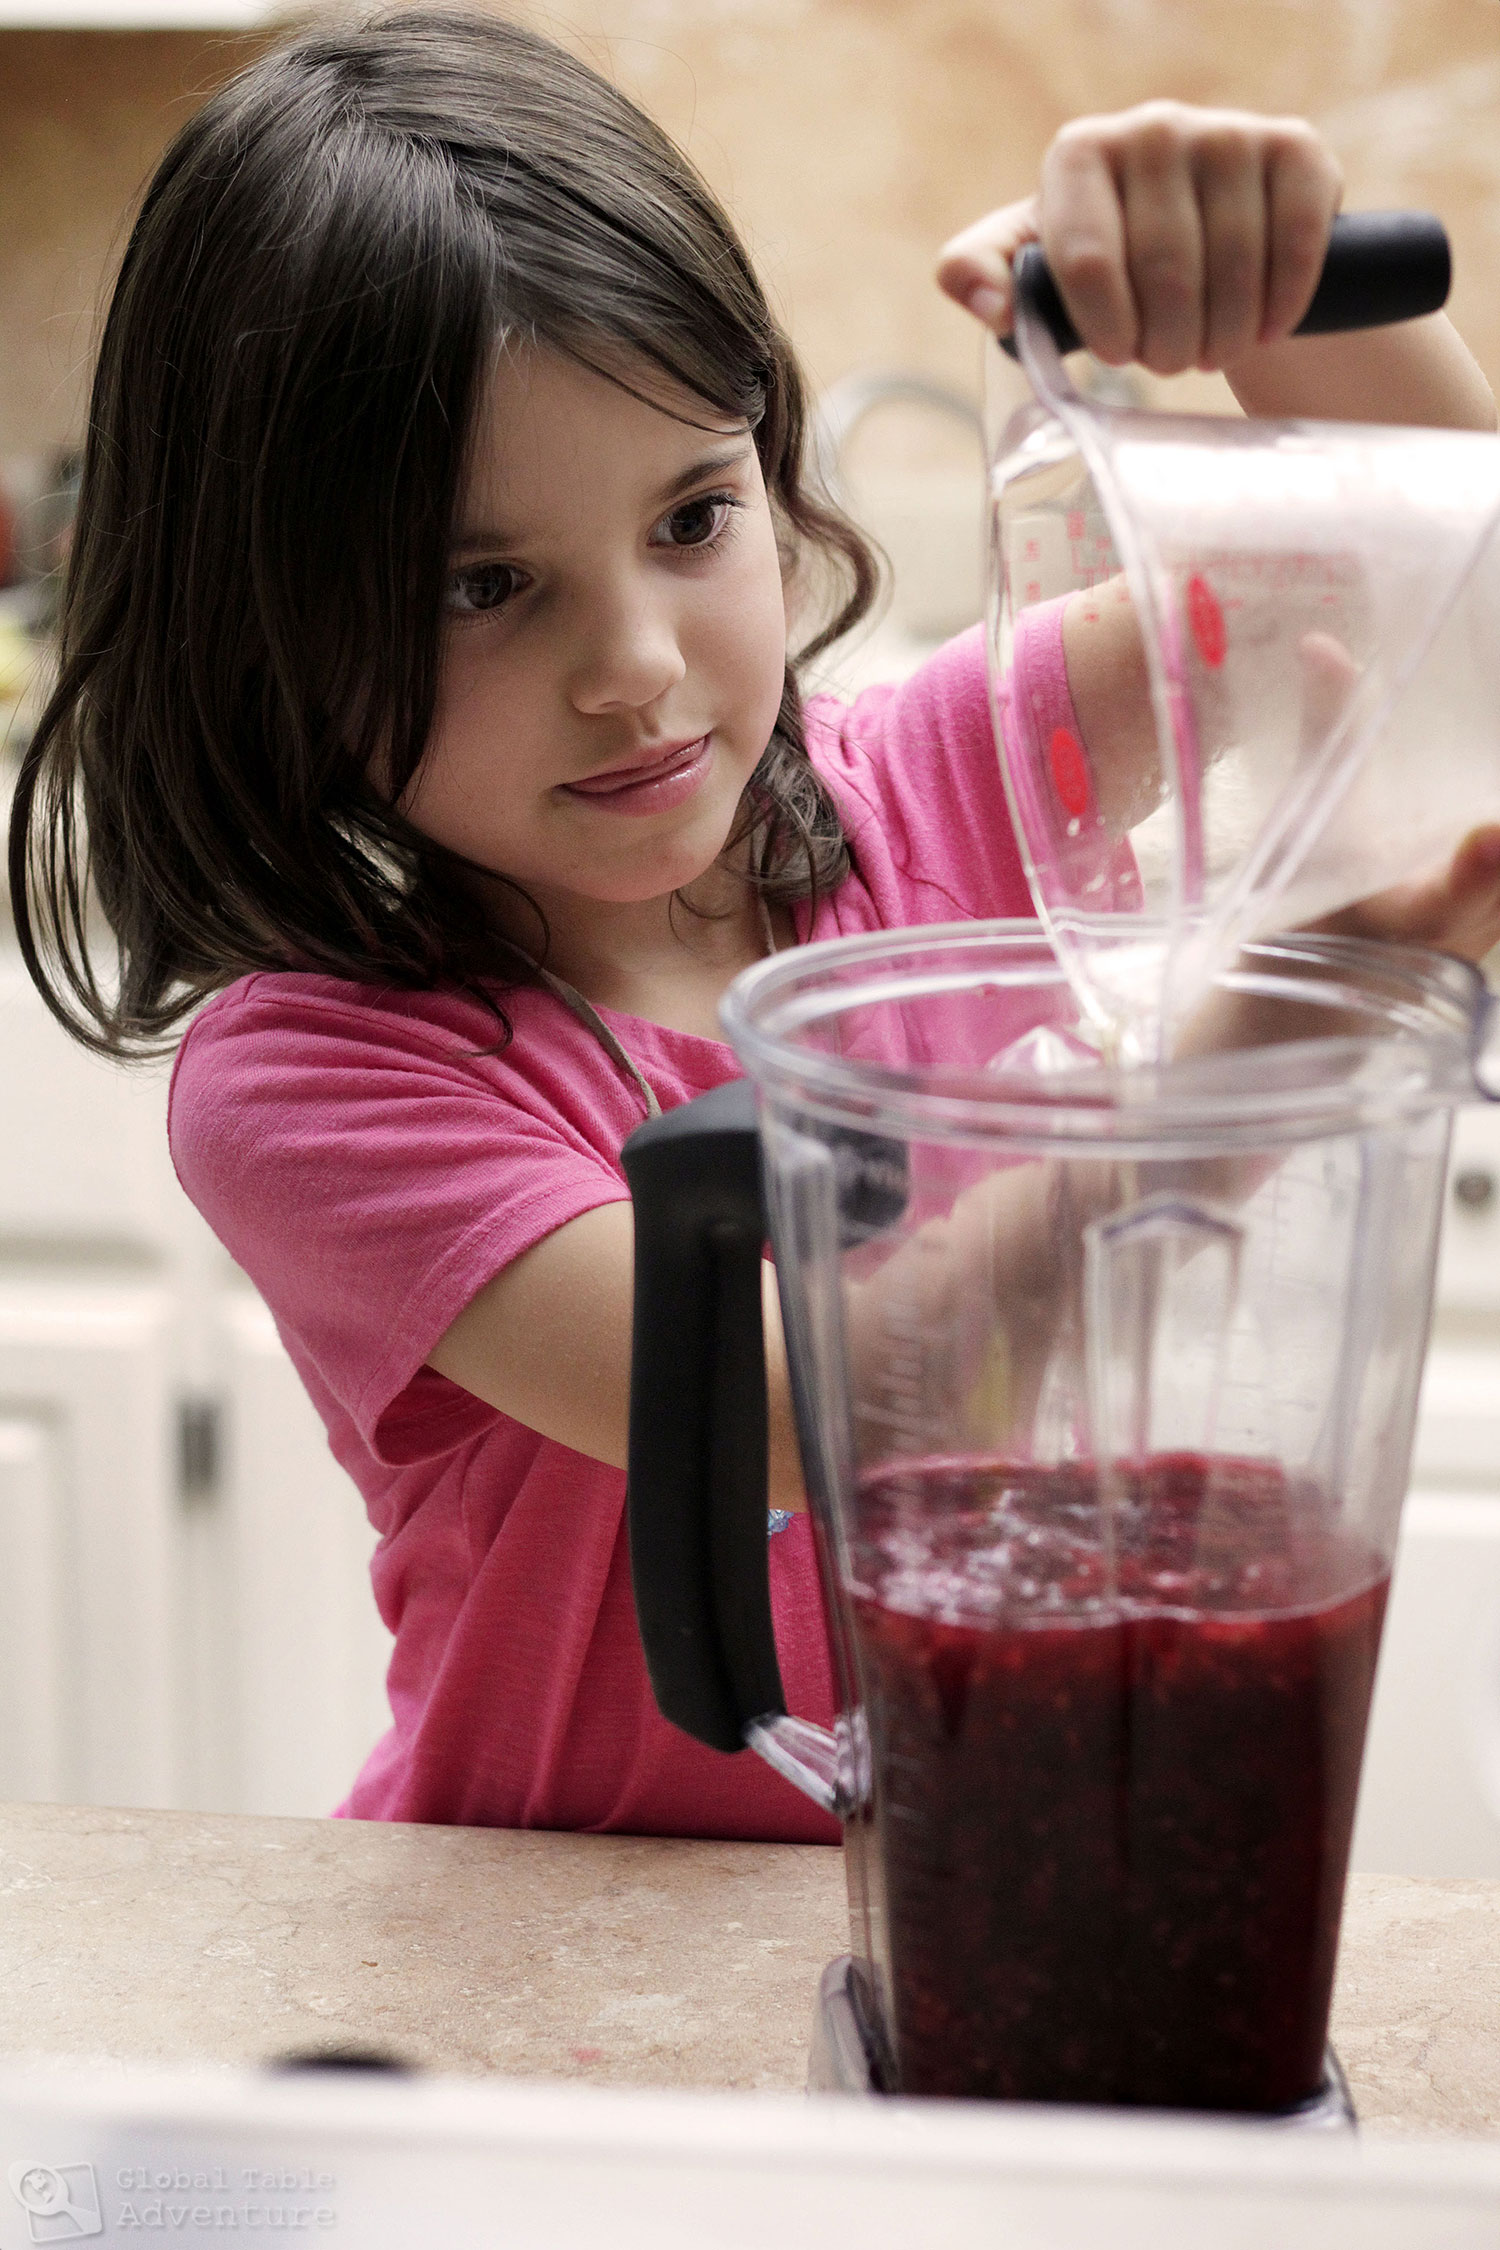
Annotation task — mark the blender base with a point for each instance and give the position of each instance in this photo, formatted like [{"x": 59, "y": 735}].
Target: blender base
[{"x": 840, "y": 2062}]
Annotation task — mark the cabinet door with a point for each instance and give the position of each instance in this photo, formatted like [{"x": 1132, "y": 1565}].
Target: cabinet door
[
  {"x": 308, "y": 1696},
  {"x": 90, "y": 1674},
  {"x": 205, "y": 1639},
  {"x": 1469, "y": 1271},
  {"x": 1430, "y": 1796},
  {"x": 37, "y": 1724},
  {"x": 83, "y": 1141}
]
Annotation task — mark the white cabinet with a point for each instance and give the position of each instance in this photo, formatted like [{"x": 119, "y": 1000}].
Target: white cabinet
[
  {"x": 87, "y": 1404},
  {"x": 185, "y": 1611},
  {"x": 36, "y": 1736},
  {"x": 308, "y": 1698},
  {"x": 1430, "y": 1796},
  {"x": 1469, "y": 1274}
]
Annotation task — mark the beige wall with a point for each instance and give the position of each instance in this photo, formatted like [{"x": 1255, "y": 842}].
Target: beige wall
[
  {"x": 83, "y": 118},
  {"x": 850, "y": 137}
]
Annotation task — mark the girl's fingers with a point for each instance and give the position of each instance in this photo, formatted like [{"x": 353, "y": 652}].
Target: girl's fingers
[
  {"x": 1230, "y": 173},
  {"x": 1456, "y": 910},
  {"x": 1303, "y": 189},
  {"x": 1164, "y": 245},
  {"x": 1083, "y": 232},
  {"x": 1177, "y": 237},
  {"x": 1469, "y": 922},
  {"x": 974, "y": 267}
]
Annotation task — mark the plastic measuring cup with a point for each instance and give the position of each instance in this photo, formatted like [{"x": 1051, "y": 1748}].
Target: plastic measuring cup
[{"x": 1308, "y": 612}]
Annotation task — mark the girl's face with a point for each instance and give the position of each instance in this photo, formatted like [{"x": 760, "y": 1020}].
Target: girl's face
[{"x": 615, "y": 642}]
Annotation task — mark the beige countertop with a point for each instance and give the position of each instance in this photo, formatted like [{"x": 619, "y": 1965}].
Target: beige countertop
[{"x": 187, "y": 1937}]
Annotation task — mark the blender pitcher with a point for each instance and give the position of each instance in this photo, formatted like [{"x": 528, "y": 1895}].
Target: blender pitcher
[
  {"x": 1310, "y": 614},
  {"x": 1104, "y": 1384}
]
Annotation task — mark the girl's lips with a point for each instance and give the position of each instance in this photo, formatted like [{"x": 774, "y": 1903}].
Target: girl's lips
[{"x": 657, "y": 787}]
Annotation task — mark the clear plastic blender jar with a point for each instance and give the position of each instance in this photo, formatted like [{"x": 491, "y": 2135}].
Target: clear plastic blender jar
[{"x": 1104, "y": 1385}]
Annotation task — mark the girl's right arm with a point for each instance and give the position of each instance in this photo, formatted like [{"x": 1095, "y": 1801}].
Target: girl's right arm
[{"x": 547, "y": 1341}]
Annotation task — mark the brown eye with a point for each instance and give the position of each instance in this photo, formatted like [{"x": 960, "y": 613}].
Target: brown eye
[
  {"x": 697, "y": 523},
  {"x": 482, "y": 587}
]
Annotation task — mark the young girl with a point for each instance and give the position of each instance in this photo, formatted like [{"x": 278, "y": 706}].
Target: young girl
[{"x": 425, "y": 698}]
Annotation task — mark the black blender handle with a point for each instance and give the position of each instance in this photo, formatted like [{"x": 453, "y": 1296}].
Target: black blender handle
[
  {"x": 698, "y": 1471},
  {"x": 1381, "y": 267}
]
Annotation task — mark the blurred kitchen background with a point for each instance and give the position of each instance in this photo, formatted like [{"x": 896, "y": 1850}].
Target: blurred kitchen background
[{"x": 184, "y": 1614}]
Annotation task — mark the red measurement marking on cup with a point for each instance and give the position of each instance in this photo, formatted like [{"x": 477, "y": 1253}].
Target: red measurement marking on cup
[
  {"x": 1207, "y": 622},
  {"x": 1070, "y": 772}
]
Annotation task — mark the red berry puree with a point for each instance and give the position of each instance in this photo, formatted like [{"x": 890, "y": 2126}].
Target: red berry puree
[{"x": 1115, "y": 1752}]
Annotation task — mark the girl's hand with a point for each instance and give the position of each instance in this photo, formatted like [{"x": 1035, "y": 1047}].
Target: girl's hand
[
  {"x": 1179, "y": 237},
  {"x": 1194, "y": 238},
  {"x": 1456, "y": 912}
]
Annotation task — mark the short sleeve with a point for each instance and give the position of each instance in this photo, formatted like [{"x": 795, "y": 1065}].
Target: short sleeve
[
  {"x": 917, "y": 775},
  {"x": 371, "y": 1168}
]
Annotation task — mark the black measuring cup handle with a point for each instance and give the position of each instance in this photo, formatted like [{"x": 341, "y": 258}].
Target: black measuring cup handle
[
  {"x": 1381, "y": 267},
  {"x": 698, "y": 1463}
]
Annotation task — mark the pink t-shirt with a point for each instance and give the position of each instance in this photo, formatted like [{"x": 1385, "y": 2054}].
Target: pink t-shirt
[{"x": 371, "y": 1170}]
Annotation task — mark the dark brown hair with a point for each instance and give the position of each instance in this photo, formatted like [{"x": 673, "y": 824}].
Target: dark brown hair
[{"x": 303, "y": 323}]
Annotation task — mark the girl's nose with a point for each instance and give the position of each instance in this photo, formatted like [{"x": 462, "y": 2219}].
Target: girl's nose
[{"x": 627, "y": 656}]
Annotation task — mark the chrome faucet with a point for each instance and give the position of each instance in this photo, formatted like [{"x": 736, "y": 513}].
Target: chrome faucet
[{"x": 845, "y": 403}]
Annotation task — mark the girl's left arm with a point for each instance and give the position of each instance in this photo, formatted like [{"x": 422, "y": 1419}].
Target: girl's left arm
[{"x": 1193, "y": 238}]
